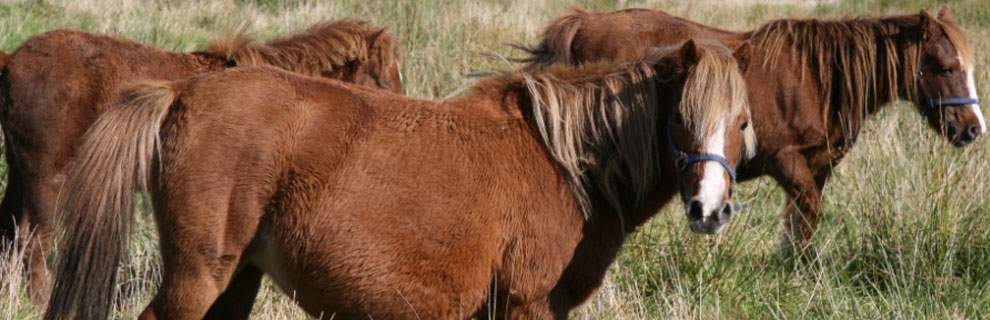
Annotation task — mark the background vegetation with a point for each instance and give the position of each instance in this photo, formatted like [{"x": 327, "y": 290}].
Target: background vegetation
[{"x": 905, "y": 233}]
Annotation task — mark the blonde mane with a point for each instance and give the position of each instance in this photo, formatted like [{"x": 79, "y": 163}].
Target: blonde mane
[
  {"x": 323, "y": 48},
  {"x": 601, "y": 122},
  {"x": 867, "y": 62}
]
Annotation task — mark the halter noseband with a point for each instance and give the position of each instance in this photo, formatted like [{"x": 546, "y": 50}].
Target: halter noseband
[
  {"x": 684, "y": 160},
  {"x": 937, "y": 103}
]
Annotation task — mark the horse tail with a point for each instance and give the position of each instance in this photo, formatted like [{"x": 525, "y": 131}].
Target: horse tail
[
  {"x": 97, "y": 201},
  {"x": 557, "y": 40}
]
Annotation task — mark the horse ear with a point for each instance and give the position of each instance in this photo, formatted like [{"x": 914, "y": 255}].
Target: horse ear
[
  {"x": 945, "y": 15},
  {"x": 928, "y": 23},
  {"x": 376, "y": 37},
  {"x": 690, "y": 53},
  {"x": 742, "y": 55}
]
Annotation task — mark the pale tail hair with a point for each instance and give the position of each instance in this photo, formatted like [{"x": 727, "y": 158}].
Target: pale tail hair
[{"x": 98, "y": 201}]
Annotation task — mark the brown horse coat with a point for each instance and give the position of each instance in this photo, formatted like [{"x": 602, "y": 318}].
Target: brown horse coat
[
  {"x": 811, "y": 84},
  {"x": 57, "y": 83},
  {"x": 360, "y": 203}
]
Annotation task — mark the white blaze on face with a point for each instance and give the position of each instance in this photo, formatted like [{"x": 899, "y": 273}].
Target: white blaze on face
[
  {"x": 712, "y": 185},
  {"x": 975, "y": 108}
]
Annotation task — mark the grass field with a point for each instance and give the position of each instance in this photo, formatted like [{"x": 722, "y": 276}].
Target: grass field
[{"x": 905, "y": 233}]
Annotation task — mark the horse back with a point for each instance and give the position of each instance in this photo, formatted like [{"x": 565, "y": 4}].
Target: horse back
[
  {"x": 59, "y": 81},
  {"x": 623, "y": 35}
]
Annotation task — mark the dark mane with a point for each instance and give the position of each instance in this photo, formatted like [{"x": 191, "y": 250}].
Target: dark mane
[
  {"x": 319, "y": 50},
  {"x": 856, "y": 62}
]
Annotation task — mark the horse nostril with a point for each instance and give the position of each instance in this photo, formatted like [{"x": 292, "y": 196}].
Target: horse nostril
[
  {"x": 694, "y": 210},
  {"x": 972, "y": 132},
  {"x": 952, "y": 129},
  {"x": 727, "y": 210}
]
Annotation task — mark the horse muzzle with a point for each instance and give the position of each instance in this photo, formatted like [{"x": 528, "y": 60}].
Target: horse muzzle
[{"x": 714, "y": 220}]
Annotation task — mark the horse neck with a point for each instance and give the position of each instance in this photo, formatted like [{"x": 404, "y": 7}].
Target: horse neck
[
  {"x": 590, "y": 240},
  {"x": 846, "y": 102},
  {"x": 905, "y": 47},
  {"x": 207, "y": 62},
  {"x": 886, "y": 84},
  {"x": 605, "y": 138}
]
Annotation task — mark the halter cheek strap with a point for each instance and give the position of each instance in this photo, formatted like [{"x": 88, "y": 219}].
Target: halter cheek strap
[{"x": 936, "y": 103}]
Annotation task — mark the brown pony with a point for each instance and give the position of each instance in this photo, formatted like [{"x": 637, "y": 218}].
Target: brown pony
[
  {"x": 360, "y": 203},
  {"x": 56, "y": 84},
  {"x": 811, "y": 84}
]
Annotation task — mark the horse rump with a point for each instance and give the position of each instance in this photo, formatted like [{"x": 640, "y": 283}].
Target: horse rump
[{"x": 97, "y": 205}]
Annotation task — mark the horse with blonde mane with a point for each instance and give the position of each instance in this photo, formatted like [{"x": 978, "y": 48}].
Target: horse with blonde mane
[
  {"x": 57, "y": 83},
  {"x": 508, "y": 202},
  {"x": 811, "y": 83}
]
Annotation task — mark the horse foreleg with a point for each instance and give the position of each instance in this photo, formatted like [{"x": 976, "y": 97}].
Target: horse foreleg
[{"x": 800, "y": 218}]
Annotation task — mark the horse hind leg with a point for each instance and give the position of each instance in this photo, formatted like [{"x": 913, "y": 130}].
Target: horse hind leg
[
  {"x": 236, "y": 302},
  {"x": 12, "y": 215},
  {"x": 204, "y": 244},
  {"x": 12, "y": 209},
  {"x": 201, "y": 285},
  {"x": 38, "y": 231}
]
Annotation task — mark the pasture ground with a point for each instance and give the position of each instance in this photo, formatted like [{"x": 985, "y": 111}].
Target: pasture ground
[{"x": 906, "y": 232}]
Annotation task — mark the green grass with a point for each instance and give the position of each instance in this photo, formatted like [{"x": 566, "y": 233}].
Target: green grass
[{"x": 906, "y": 232}]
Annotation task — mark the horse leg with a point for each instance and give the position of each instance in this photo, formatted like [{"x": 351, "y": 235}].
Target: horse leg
[
  {"x": 16, "y": 228},
  {"x": 203, "y": 243},
  {"x": 237, "y": 300},
  {"x": 536, "y": 310},
  {"x": 12, "y": 214},
  {"x": 38, "y": 230},
  {"x": 12, "y": 206},
  {"x": 801, "y": 215}
]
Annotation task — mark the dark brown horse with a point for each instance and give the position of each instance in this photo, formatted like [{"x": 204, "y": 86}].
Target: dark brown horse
[
  {"x": 56, "y": 84},
  {"x": 811, "y": 84},
  {"x": 361, "y": 203}
]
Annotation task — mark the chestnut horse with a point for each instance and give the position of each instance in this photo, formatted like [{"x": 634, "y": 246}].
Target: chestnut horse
[
  {"x": 57, "y": 83},
  {"x": 811, "y": 84},
  {"x": 361, "y": 203}
]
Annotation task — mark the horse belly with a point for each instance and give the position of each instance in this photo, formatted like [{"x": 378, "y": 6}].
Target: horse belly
[{"x": 330, "y": 273}]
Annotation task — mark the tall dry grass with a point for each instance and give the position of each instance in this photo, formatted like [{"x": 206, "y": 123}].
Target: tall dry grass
[{"x": 905, "y": 233}]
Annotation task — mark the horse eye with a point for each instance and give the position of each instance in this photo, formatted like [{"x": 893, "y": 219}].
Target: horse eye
[
  {"x": 943, "y": 71},
  {"x": 744, "y": 126}
]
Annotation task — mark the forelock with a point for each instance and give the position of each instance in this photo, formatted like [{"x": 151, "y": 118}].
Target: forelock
[{"x": 714, "y": 91}]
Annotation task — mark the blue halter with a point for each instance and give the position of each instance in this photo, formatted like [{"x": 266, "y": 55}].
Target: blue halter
[
  {"x": 684, "y": 160},
  {"x": 936, "y": 103}
]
